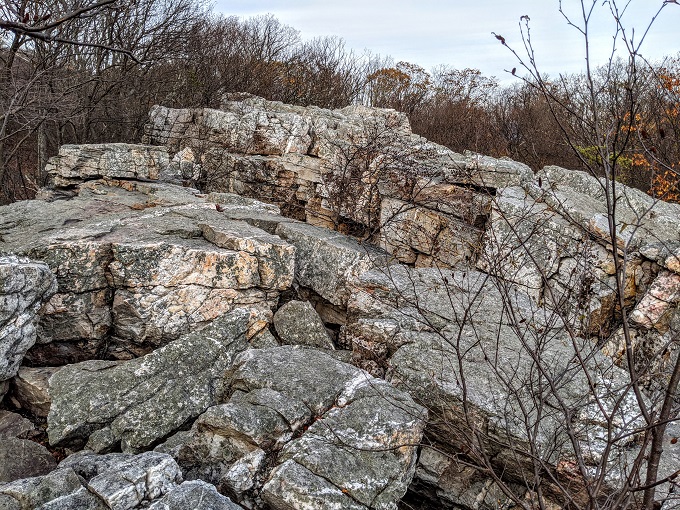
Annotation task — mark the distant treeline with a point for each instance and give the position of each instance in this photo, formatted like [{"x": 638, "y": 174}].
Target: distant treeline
[{"x": 92, "y": 76}]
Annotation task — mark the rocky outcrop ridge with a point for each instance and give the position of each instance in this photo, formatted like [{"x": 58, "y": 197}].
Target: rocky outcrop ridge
[
  {"x": 358, "y": 169},
  {"x": 206, "y": 336},
  {"x": 158, "y": 290}
]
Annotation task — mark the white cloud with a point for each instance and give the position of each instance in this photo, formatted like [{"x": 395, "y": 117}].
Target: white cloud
[{"x": 458, "y": 33}]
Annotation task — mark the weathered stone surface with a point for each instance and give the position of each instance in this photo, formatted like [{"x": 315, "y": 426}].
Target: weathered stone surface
[
  {"x": 71, "y": 317},
  {"x": 557, "y": 261},
  {"x": 76, "y": 163},
  {"x": 313, "y": 163},
  {"x": 666, "y": 254},
  {"x": 195, "y": 495},
  {"x": 356, "y": 432},
  {"x": 654, "y": 310},
  {"x": 359, "y": 439},
  {"x": 447, "y": 338},
  {"x": 132, "y": 261},
  {"x": 22, "y": 458},
  {"x": 124, "y": 482},
  {"x": 440, "y": 477},
  {"x": 297, "y": 323},
  {"x": 581, "y": 197},
  {"x": 141, "y": 401},
  {"x": 292, "y": 486},
  {"x": 15, "y": 425},
  {"x": 425, "y": 237},
  {"x": 23, "y": 285},
  {"x": 115, "y": 481},
  {"x": 276, "y": 258},
  {"x": 50, "y": 491},
  {"x": 31, "y": 389},
  {"x": 328, "y": 262}
]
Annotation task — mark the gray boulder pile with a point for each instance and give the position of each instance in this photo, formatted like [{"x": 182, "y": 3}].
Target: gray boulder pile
[{"x": 466, "y": 346}]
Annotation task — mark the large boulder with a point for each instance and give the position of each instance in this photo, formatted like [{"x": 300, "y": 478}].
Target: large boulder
[
  {"x": 355, "y": 169},
  {"x": 24, "y": 284},
  {"x": 351, "y": 434},
  {"x": 136, "y": 403},
  {"x": 77, "y": 163},
  {"x": 21, "y": 457},
  {"x": 297, "y": 323},
  {"x": 328, "y": 262},
  {"x": 469, "y": 347},
  {"x": 138, "y": 264},
  {"x": 115, "y": 481}
]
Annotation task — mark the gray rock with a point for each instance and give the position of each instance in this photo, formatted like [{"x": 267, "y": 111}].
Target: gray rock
[
  {"x": 15, "y": 425},
  {"x": 140, "y": 401},
  {"x": 23, "y": 285},
  {"x": 114, "y": 481},
  {"x": 76, "y": 163},
  {"x": 361, "y": 429},
  {"x": 297, "y": 323},
  {"x": 195, "y": 495},
  {"x": 580, "y": 197},
  {"x": 292, "y": 486},
  {"x": 135, "y": 269},
  {"x": 447, "y": 338},
  {"x": 356, "y": 433},
  {"x": 299, "y": 158},
  {"x": 147, "y": 476},
  {"x": 30, "y": 493},
  {"x": 328, "y": 262},
  {"x": 22, "y": 458}
]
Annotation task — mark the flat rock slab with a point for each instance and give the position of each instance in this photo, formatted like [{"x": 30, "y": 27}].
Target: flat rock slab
[
  {"x": 76, "y": 163},
  {"x": 138, "y": 402}
]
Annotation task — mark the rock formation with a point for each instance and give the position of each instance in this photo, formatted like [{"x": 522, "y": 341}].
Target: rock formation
[{"x": 235, "y": 348}]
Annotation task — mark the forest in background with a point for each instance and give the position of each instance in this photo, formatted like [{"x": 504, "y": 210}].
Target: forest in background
[{"x": 88, "y": 72}]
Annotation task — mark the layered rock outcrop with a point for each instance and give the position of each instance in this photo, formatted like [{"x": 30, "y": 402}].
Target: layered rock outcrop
[
  {"x": 211, "y": 350},
  {"x": 357, "y": 169}
]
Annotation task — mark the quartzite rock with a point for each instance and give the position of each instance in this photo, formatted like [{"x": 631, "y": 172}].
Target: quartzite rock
[
  {"x": 137, "y": 402},
  {"x": 133, "y": 261},
  {"x": 115, "y": 481},
  {"x": 359, "y": 440},
  {"x": 328, "y": 262},
  {"x": 448, "y": 338},
  {"x": 356, "y": 432},
  {"x": 77, "y": 163},
  {"x": 297, "y": 323},
  {"x": 194, "y": 495},
  {"x": 31, "y": 389},
  {"x": 23, "y": 285}
]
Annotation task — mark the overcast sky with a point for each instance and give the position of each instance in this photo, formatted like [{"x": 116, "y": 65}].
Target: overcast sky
[{"x": 458, "y": 33}]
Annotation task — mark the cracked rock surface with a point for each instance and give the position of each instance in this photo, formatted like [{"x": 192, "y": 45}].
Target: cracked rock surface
[
  {"x": 351, "y": 435},
  {"x": 135, "y": 403}
]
